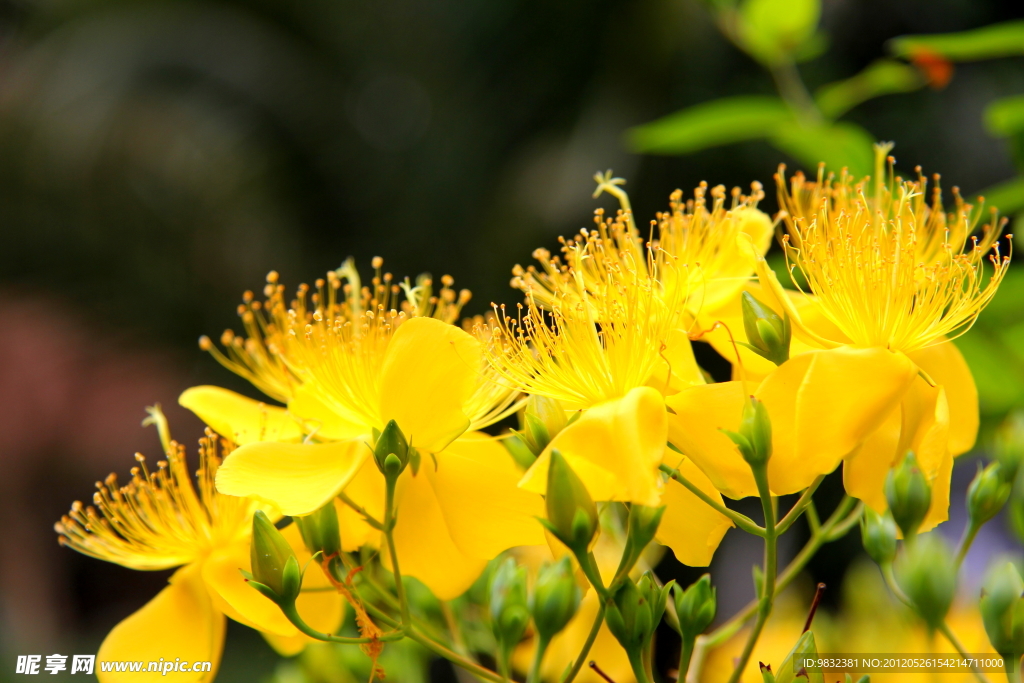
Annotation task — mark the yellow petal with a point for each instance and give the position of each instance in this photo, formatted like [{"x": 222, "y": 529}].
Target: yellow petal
[
  {"x": 179, "y": 623},
  {"x": 865, "y": 468},
  {"x": 322, "y": 422},
  {"x": 689, "y": 526},
  {"x": 367, "y": 490},
  {"x": 232, "y": 595},
  {"x": 752, "y": 242},
  {"x": 939, "y": 510},
  {"x": 240, "y": 419},
  {"x": 823, "y": 404},
  {"x": 428, "y": 373},
  {"x": 424, "y": 545},
  {"x": 946, "y": 366},
  {"x": 678, "y": 368},
  {"x": 699, "y": 414},
  {"x": 615, "y": 448},
  {"x": 475, "y": 481},
  {"x": 801, "y": 318},
  {"x": 295, "y": 478}
]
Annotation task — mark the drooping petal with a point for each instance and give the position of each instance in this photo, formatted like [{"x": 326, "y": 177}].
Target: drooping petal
[
  {"x": 323, "y": 422},
  {"x": 699, "y": 414},
  {"x": 864, "y": 470},
  {"x": 428, "y": 374},
  {"x": 824, "y": 404},
  {"x": 615, "y": 447},
  {"x": 233, "y": 596},
  {"x": 678, "y": 368},
  {"x": 240, "y": 419},
  {"x": 179, "y": 623},
  {"x": 295, "y": 478},
  {"x": 424, "y": 545},
  {"x": 689, "y": 526},
  {"x": 946, "y": 366},
  {"x": 367, "y": 491},
  {"x": 475, "y": 481}
]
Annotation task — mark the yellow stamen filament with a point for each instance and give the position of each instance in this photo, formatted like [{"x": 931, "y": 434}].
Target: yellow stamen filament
[
  {"x": 161, "y": 519},
  {"x": 890, "y": 269}
]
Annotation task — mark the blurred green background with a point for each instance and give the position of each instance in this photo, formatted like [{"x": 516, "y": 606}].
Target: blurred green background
[{"x": 158, "y": 158}]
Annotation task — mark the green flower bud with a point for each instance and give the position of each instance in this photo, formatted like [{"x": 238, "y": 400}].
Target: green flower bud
[
  {"x": 640, "y": 530},
  {"x": 695, "y": 607},
  {"x": 269, "y": 553},
  {"x": 908, "y": 494},
  {"x": 987, "y": 494},
  {"x": 510, "y": 613},
  {"x": 768, "y": 334},
  {"x": 320, "y": 532},
  {"x": 1002, "y": 610},
  {"x": 754, "y": 439},
  {"x": 1009, "y": 445},
  {"x": 391, "y": 442},
  {"x": 635, "y": 612},
  {"x": 520, "y": 451},
  {"x": 556, "y": 597},
  {"x": 572, "y": 515},
  {"x": 878, "y": 534},
  {"x": 542, "y": 420},
  {"x": 926, "y": 571}
]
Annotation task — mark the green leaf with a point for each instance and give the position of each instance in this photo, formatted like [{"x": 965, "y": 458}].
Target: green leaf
[
  {"x": 1005, "y": 116},
  {"x": 1007, "y": 196},
  {"x": 838, "y": 145},
  {"x": 881, "y": 77},
  {"x": 988, "y": 42},
  {"x": 719, "y": 122},
  {"x": 772, "y": 30}
]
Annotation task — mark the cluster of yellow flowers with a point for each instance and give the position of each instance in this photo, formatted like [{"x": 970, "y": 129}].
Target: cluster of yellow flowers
[{"x": 885, "y": 276}]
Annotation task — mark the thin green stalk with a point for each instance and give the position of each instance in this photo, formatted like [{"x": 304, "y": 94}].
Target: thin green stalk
[
  {"x": 370, "y": 519},
  {"x": 767, "y": 599},
  {"x": 945, "y": 630},
  {"x": 792, "y": 89},
  {"x": 389, "y": 529},
  {"x": 798, "y": 507},
  {"x": 292, "y": 613},
  {"x": 970, "y": 532},
  {"x": 685, "y": 655},
  {"x": 636, "y": 661},
  {"x": 740, "y": 520},
  {"x": 538, "y": 657},
  {"x": 586, "y": 646}
]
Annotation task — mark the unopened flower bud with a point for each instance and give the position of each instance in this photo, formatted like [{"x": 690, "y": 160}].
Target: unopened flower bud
[
  {"x": 878, "y": 534},
  {"x": 768, "y": 333},
  {"x": 520, "y": 451},
  {"x": 391, "y": 442},
  {"x": 926, "y": 572},
  {"x": 987, "y": 494},
  {"x": 320, "y": 532},
  {"x": 543, "y": 419},
  {"x": 1002, "y": 610},
  {"x": 640, "y": 530},
  {"x": 908, "y": 494},
  {"x": 695, "y": 607},
  {"x": 1009, "y": 445},
  {"x": 754, "y": 438},
  {"x": 269, "y": 554},
  {"x": 572, "y": 515},
  {"x": 510, "y": 613},
  {"x": 556, "y": 597}
]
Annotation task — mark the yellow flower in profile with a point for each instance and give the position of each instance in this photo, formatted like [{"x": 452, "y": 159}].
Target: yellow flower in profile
[
  {"x": 162, "y": 520},
  {"x": 609, "y": 350},
  {"x": 891, "y": 279},
  {"x": 346, "y": 359},
  {"x": 699, "y": 258}
]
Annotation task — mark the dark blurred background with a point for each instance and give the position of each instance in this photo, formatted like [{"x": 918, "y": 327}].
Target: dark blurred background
[{"x": 158, "y": 158}]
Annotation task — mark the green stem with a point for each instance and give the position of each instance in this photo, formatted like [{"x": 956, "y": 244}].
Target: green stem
[
  {"x": 685, "y": 655},
  {"x": 292, "y": 613},
  {"x": 538, "y": 657},
  {"x": 586, "y": 646},
  {"x": 370, "y": 519},
  {"x": 767, "y": 591},
  {"x": 970, "y": 532},
  {"x": 798, "y": 507},
  {"x": 636, "y": 661},
  {"x": 389, "y": 529},
  {"x": 792, "y": 89},
  {"x": 740, "y": 520},
  {"x": 945, "y": 630},
  {"x": 589, "y": 566}
]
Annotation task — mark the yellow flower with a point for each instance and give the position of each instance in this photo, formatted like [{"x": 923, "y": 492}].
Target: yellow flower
[
  {"x": 698, "y": 261},
  {"x": 161, "y": 520},
  {"x": 603, "y": 348},
  {"x": 873, "y": 374},
  {"x": 346, "y": 362}
]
